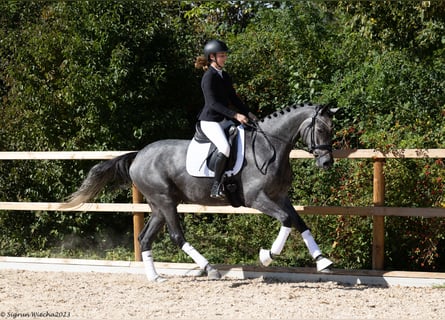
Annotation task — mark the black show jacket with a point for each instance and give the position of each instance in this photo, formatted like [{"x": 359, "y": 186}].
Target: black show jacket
[{"x": 218, "y": 95}]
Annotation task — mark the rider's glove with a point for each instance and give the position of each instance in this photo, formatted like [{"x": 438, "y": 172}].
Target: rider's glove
[{"x": 251, "y": 116}]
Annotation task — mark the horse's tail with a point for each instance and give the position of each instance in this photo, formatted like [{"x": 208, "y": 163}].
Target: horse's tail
[{"x": 115, "y": 170}]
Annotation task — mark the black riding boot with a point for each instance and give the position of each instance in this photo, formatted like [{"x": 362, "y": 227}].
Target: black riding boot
[{"x": 220, "y": 167}]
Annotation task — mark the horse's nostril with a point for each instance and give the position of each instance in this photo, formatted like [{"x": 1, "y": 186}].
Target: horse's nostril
[
  {"x": 325, "y": 162},
  {"x": 328, "y": 163}
]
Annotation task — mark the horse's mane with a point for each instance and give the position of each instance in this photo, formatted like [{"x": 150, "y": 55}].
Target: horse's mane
[{"x": 285, "y": 110}]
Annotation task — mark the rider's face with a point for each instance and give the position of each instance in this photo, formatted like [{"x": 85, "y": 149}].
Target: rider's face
[{"x": 220, "y": 58}]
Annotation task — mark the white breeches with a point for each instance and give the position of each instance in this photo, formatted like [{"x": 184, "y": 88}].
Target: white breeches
[{"x": 215, "y": 132}]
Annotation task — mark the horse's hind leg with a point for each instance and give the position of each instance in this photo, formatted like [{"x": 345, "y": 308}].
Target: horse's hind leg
[
  {"x": 178, "y": 237},
  {"x": 146, "y": 238},
  {"x": 212, "y": 272},
  {"x": 171, "y": 217}
]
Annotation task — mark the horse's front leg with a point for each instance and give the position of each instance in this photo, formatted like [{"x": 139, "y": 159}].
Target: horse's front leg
[
  {"x": 288, "y": 217},
  {"x": 266, "y": 256},
  {"x": 321, "y": 261}
]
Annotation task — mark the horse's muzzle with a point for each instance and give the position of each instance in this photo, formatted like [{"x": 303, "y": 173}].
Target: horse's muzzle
[{"x": 324, "y": 161}]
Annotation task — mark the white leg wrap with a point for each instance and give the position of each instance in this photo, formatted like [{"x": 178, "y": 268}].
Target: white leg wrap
[
  {"x": 314, "y": 250},
  {"x": 265, "y": 257},
  {"x": 277, "y": 246},
  {"x": 279, "y": 242},
  {"x": 195, "y": 255},
  {"x": 149, "y": 266}
]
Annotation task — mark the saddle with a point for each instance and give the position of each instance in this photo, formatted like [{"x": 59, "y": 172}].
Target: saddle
[
  {"x": 201, "y": 157},
  {"x": 231, "y": 133}
]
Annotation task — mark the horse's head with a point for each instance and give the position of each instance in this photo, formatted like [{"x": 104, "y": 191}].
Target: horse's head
[{"x": 317, "y": 134}]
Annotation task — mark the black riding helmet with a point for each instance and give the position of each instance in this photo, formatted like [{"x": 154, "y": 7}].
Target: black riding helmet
[{"x": 214, "y": 46}]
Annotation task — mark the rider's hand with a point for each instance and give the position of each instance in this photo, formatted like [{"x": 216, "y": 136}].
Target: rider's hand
[
  {"x": 241, "y": 118},
  {"x": 252, "y": 116}
]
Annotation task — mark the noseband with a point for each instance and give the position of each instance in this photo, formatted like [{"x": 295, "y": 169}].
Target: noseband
[{"x": 311, "y": 126}]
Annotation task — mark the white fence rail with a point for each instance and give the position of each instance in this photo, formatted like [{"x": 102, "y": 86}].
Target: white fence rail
[{"x": 378, "y": 211}]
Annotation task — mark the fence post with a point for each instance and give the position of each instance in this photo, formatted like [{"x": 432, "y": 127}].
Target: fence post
[
  {"x": 378, "y": 237},
  {"x": 138, "y": 223}
]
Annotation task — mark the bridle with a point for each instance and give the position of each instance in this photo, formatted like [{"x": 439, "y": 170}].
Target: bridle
[
  {"x": 312, "y": 146},
  {"x": 311, "y": 126}
]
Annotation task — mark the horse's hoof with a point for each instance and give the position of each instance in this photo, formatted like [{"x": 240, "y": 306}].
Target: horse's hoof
[
  {"x": 265, "y": 257},
  {"x": 326, "y": 270},
  {"x": 159, "y": 279},
  {"x": 212, "y": 273},
  {"x": 323, "y": 264}
]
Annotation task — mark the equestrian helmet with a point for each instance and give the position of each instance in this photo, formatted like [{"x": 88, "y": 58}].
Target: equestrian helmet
[{"x": 214, "y": 46}]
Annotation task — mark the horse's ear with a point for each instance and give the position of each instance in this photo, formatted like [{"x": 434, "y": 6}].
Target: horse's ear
[
  {"x": 333, "y": 111},
  {"x": 329, "y": 110}
]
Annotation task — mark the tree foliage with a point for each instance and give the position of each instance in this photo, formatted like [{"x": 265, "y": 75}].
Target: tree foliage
[{"x": 116, "y": 75}]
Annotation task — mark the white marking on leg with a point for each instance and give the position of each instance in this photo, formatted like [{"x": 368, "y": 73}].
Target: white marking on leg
[
  {"x": 149, "y": 267},
  {"x": 308, "y": 239},
  {"x": 195, "y": 255},
  {"x": 280, "y": 241},
  {"x": 322, "y": 262},
  {"x": 266, "y": 256}
]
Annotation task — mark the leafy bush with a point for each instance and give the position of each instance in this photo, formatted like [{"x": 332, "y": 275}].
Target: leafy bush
[
  {"x": 84, "y": 76},
  {"x": 116, "y": 75}
]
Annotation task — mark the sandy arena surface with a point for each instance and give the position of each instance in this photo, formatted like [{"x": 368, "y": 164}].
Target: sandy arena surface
[{"x": 66, "y": 295}]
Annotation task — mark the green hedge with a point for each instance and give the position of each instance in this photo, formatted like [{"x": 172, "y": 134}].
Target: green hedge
[{"x": 116, "y": 75}]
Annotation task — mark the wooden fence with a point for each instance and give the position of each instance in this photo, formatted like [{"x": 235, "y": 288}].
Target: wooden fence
[{"x": 378, "y": 211}]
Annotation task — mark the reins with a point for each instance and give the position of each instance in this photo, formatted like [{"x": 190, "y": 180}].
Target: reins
[{"x": 255, "y": 129}]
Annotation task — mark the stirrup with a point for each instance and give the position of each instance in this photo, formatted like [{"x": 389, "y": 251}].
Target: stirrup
[
  {"x": 218, "y": 195},
  {"x": 217, "y": 191}
]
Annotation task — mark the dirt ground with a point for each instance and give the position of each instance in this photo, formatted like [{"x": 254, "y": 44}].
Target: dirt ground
[{"x": 66, "y": 295}]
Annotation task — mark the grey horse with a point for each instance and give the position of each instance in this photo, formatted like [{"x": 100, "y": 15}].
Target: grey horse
[{"x": 159, "y": 172}]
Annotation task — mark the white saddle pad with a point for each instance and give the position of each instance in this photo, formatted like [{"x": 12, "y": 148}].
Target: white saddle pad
[{"x": 197, "y": 153}]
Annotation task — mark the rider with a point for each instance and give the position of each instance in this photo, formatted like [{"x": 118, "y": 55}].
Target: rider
[{"x": 219, "y": 93}]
